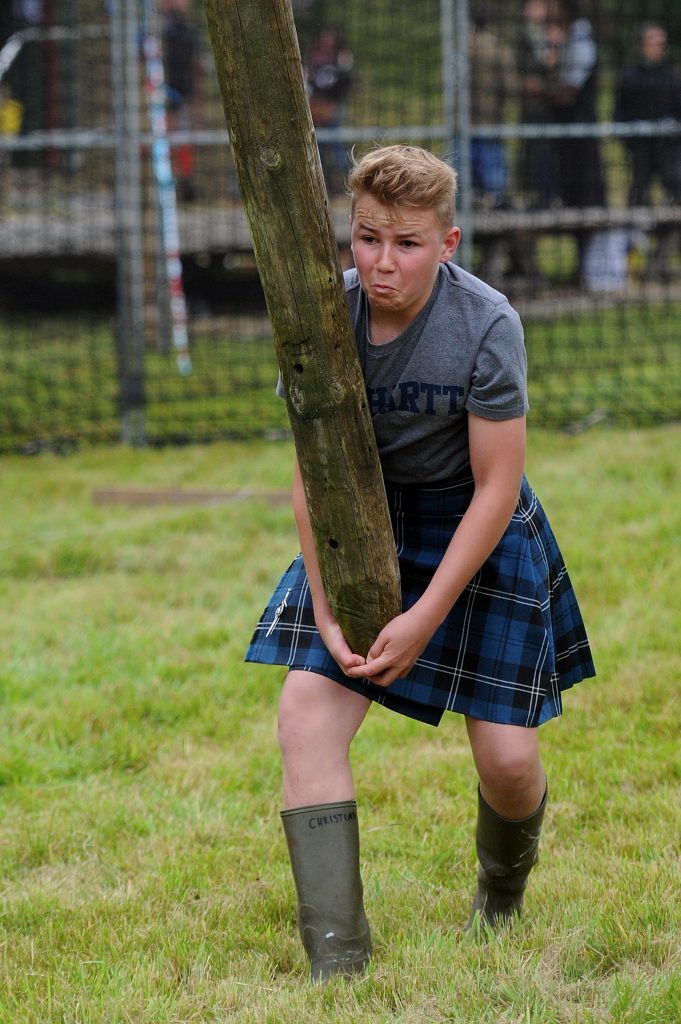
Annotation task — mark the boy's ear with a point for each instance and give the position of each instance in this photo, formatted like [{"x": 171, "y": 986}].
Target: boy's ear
[{"x": 450, "y": 244}]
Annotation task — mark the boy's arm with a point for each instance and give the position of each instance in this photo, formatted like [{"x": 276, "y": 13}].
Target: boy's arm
[
  {"x": 497, "y": 453},
  {"x": 326, "y": 623}
]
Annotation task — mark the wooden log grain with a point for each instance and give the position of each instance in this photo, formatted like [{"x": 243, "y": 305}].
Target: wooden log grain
[{"x": 258, "y": 64}]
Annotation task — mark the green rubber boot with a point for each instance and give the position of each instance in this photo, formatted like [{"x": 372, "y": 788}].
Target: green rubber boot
[
  {"x": 323, "y": 844},
  {"x": 507, "y": 851}
]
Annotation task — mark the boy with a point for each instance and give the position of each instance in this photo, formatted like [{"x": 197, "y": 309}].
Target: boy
[{"x": 490, "y": 625}]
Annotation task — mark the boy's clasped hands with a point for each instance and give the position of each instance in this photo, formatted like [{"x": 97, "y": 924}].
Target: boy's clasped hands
[{"x": 392, "y": 654}]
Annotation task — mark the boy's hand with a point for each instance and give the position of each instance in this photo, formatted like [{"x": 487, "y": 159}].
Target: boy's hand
[
  {"x": 395, "y": 649},
  {"x": 337, "y": 646}
]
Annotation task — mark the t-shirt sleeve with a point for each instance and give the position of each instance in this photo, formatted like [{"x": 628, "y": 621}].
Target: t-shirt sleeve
[{"x": 498, "y": 388}]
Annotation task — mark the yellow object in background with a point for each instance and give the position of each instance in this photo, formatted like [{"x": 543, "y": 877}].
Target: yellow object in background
[{"x": 11, "y": 114}]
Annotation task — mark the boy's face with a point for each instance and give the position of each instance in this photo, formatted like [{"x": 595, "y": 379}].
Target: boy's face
[{"x": 397, "y": 251}]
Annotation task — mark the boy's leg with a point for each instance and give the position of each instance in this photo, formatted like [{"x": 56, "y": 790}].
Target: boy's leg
[
  {"x": 512, "y": 778},
  {"x": 317, "y": 722},
  {"x": 511, "y": 803}
]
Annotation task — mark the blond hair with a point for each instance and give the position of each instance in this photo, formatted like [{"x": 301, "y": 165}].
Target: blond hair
[{"x": 405, "y": 176}]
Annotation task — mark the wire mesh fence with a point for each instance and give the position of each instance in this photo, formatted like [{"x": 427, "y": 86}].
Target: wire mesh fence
[{"x": 130, "y": 303}]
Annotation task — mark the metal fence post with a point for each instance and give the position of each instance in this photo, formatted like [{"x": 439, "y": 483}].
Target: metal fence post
[
  {"x": 128, "y": 198},
  {"x": 447, "y": 45},
  {"x": 463, "y": 132}
]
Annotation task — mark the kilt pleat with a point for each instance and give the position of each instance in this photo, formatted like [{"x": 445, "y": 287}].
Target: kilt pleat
[{"x": 513, "y": 641}]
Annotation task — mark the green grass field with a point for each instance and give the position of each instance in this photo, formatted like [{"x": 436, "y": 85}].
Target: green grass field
[{"x": 144, "y": 877}]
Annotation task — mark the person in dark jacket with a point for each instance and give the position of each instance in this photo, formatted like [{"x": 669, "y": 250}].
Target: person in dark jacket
[
  {"x": 328, "y": 71},
  {"x": 649, "y": 89},
  {"x": 573, "y": 101},
  {"x": 536, "y": 60},
  {"x": 580, "y": 181}
]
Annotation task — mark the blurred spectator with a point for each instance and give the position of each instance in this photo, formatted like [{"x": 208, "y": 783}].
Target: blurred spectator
[
  {"x": 26, "y": 76},
  {"x": 328, "y": 67},
  {"x": 493, "y": 83},
  {"x": 179, "y": 40},
  {"x": 573, "y": 100},
  {"x": 579, "y": 172},
  {"x": 537, "y": 61},
  {"x": 647, "y": 90}
]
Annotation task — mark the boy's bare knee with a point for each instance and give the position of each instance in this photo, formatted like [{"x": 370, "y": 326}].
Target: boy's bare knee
[
  {"x": 306, "y": 711},
  {"x": 506, "y": 757},
  {"x": 508, "y": 771},
  {"x": 317, "y": 714}
]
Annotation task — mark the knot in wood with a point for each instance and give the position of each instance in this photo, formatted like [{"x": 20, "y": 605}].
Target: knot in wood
[
  {"x": 297, "y": 398},
  {"x": 311, "y": 402},
  {"x": 337, "y": 391},
  {"x": 271, "y": 158}
]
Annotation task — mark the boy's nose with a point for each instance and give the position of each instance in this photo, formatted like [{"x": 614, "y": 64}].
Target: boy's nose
[{"x": 385, "y": 259}]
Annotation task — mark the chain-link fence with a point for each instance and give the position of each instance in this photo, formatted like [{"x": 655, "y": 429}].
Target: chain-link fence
[{"x": 130, "y": 302}]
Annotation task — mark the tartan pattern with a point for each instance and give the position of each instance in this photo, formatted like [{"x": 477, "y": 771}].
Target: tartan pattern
[{"x": 511, "y": 644}]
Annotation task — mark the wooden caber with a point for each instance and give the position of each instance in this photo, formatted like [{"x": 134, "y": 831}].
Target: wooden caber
[{"x": 276, "y": 158}]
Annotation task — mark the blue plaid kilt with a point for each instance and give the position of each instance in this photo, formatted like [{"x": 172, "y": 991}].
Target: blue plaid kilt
[{"x": 511, "y": 644}]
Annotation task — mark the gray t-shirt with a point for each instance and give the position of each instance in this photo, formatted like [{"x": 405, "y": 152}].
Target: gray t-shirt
[{"x": 463, "y": 353}]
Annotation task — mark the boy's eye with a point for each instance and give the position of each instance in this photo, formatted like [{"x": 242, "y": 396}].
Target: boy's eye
[
  {"x": 408, "y": 243},
  {"x": 368, "y": 238}
]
